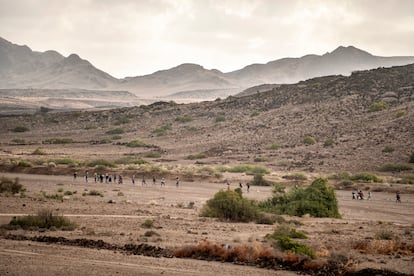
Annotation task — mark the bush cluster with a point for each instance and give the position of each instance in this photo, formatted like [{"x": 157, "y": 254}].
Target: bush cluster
[
  {"x": 115, "y": 131},
  {"x": 44, "y": 219},
  {"x": 162, "y": 130},
  {"x": 11, "y": 186},
  {"x": 258, "y": 180},
  {"x": 230, "y": 205},
  {"x": 58, "y": 141},
  {"x": 317, "y": 200},
  {"x": 135, "y": 144}
]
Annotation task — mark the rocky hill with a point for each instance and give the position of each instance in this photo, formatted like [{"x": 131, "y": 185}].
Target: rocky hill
[{"x": 336, "y": 123}]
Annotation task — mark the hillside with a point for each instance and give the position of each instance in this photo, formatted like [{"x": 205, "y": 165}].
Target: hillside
[{"x": 334, "y": 110}]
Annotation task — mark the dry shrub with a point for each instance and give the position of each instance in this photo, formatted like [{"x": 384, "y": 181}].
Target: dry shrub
[{"x": 385, "y": 247}]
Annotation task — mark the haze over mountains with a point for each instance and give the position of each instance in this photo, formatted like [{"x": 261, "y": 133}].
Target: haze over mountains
[{"x": 22, "y": 68}]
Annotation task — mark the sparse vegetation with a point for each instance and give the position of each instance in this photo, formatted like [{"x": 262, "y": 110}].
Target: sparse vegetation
[
  {"x": 11, "y": 186},
  {"x": 260, "y": 159},
  {"x": 58, "y": 141},
  {"x": 197, "y": 156},
  {"x": 149, "y": 223},
  {"x": 400, "y": 113},
  {"x": 115, "y": 131},
  {"x": 23, "y": 163},
  {"x": 274, "y": 146},
  {"x": 151, "y": 233},
  {"x": 409, "y": 179},
  {"x": 411, "y": 160},
  {"x": 44, "y": 219},
  {"x": 135, "y": 144},
  {"x": 93, "y": 193},
  {"x": 219, "y": 118},
  {"x": 161, "y": 131},
  {"x": 377, "y": 106},
  {"x": 394, "y": 168},
  {"x": 122, "y": 121},
  {"x": 388, "y": 149},
  {"x": 384, "y": 234},
  {"x": 153, "y": 154},
  {"x": 329, "y": 143},
  {"x": 295, "y": 176},
  {"x": 64, "y": 161},
  {"x": 19, "y": 141},
  {"x": 38, "y": 152},
  {"x": 115, "y": 137},
  {"x": 248, "y": 169},
  {"x": 309, "y": 140},
  {"x": 101, "y": 162},
  {"x": 366, "y": 177},
  {"x": 20, "y": 129},
  {"x": 258, "y": 180},
  {"x": 130, "y": 160},
  {"x": 184, "y": 119}
]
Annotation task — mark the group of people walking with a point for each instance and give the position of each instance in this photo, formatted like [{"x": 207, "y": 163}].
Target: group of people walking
[{"x": 108, "y": 178}]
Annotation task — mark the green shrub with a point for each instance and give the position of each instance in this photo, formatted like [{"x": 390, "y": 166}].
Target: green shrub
[
  {"x": 388, "y": 149},
  {"x": 406, "y": 180},
  {"x": 115, "y": 137},
  {"x": 130, "y": 160},
  {"x": 230, "y": 205},
  {"x": 260, "y": 159},
  {"x": 295, "y": 176},
  {"x": 153, "y": 154},
  {"x": 317, "y": 200},
  {"x": 52, "y": 196},
  {"x": 68, "y": 193},
  {"x": 93, "y": 193},
  {"x": 38, "y": 152},
  {"x": 135, "y": 144},
  {"x": 411, "y": 160},
  {"x": 58, "y": 141},
  {"x": 161, "y": 130},
  {"x": 248, "y": 169},
  {"x": 122, "y": 121},
  {"x": 184, "y": 119},
  {"x": 384, "y": 235},
  {"x": 23, "y": 163},
  {"x": 196, "y": 156},
  {"x": 44, "y": 219},
  {"x": 366, "y": 177},
  {"x": 274, "y": 146},
  {"x": 220, "y": 118},
  {"x": 19, "y": 141},
  {"x": 400, "y": 113},
  {"x": 377, "y": 106},
  {"x": 254, "y": 114},
  {"x": 102, "y": 163},
  {"x": 289, "y": 245},
  {"x": 286, "y": 230},
  {"x": 149, "y": 223},
  {"x": 64, "y": 161},
  {"x": 20, "y": 129},
  {"x": 340, "y": 176},
  {"x": 115, "y": 131},
  {"x": 11, "y": 186},
  {"x": 60, "y": 190},
  {"x": 328, "y": 143},
  {"x": 258, "y": 180},
  {"x": 151, "y": 233},
  {"x": 309, "y": 140},
  {"x": 394, "y": 168}
]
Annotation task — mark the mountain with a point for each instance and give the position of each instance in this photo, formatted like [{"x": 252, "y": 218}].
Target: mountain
[
  {"x": 186, "y": 77},
  {"x": 342, "y": 61},
  {"x": 20, "y": 67}
]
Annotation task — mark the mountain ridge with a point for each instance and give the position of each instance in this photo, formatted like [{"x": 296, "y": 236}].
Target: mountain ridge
[{"x": 21, "y": 67}]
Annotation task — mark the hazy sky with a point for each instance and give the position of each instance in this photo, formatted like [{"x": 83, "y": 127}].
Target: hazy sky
[{"x": 137, "y": 37}]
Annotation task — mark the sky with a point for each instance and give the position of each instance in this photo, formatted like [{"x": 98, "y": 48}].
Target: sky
[{"x": 138, "y": 37}]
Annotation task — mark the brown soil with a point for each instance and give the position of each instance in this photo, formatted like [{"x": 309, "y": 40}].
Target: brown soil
[{"x": 119, "y": 223}]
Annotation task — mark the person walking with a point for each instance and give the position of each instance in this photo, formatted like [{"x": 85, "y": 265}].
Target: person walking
[
  {"x": 177, "y": 182},
  {"x": 398, "y": 197}
]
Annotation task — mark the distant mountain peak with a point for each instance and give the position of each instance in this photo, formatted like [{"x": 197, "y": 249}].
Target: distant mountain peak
[{"x": 349, "y": 50}]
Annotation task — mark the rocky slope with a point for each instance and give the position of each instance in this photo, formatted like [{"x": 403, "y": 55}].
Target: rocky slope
[{"x": 336, "y": 111}]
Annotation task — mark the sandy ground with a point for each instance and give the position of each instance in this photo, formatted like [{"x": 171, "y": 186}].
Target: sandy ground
[{"x": 177, "y": 225}]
